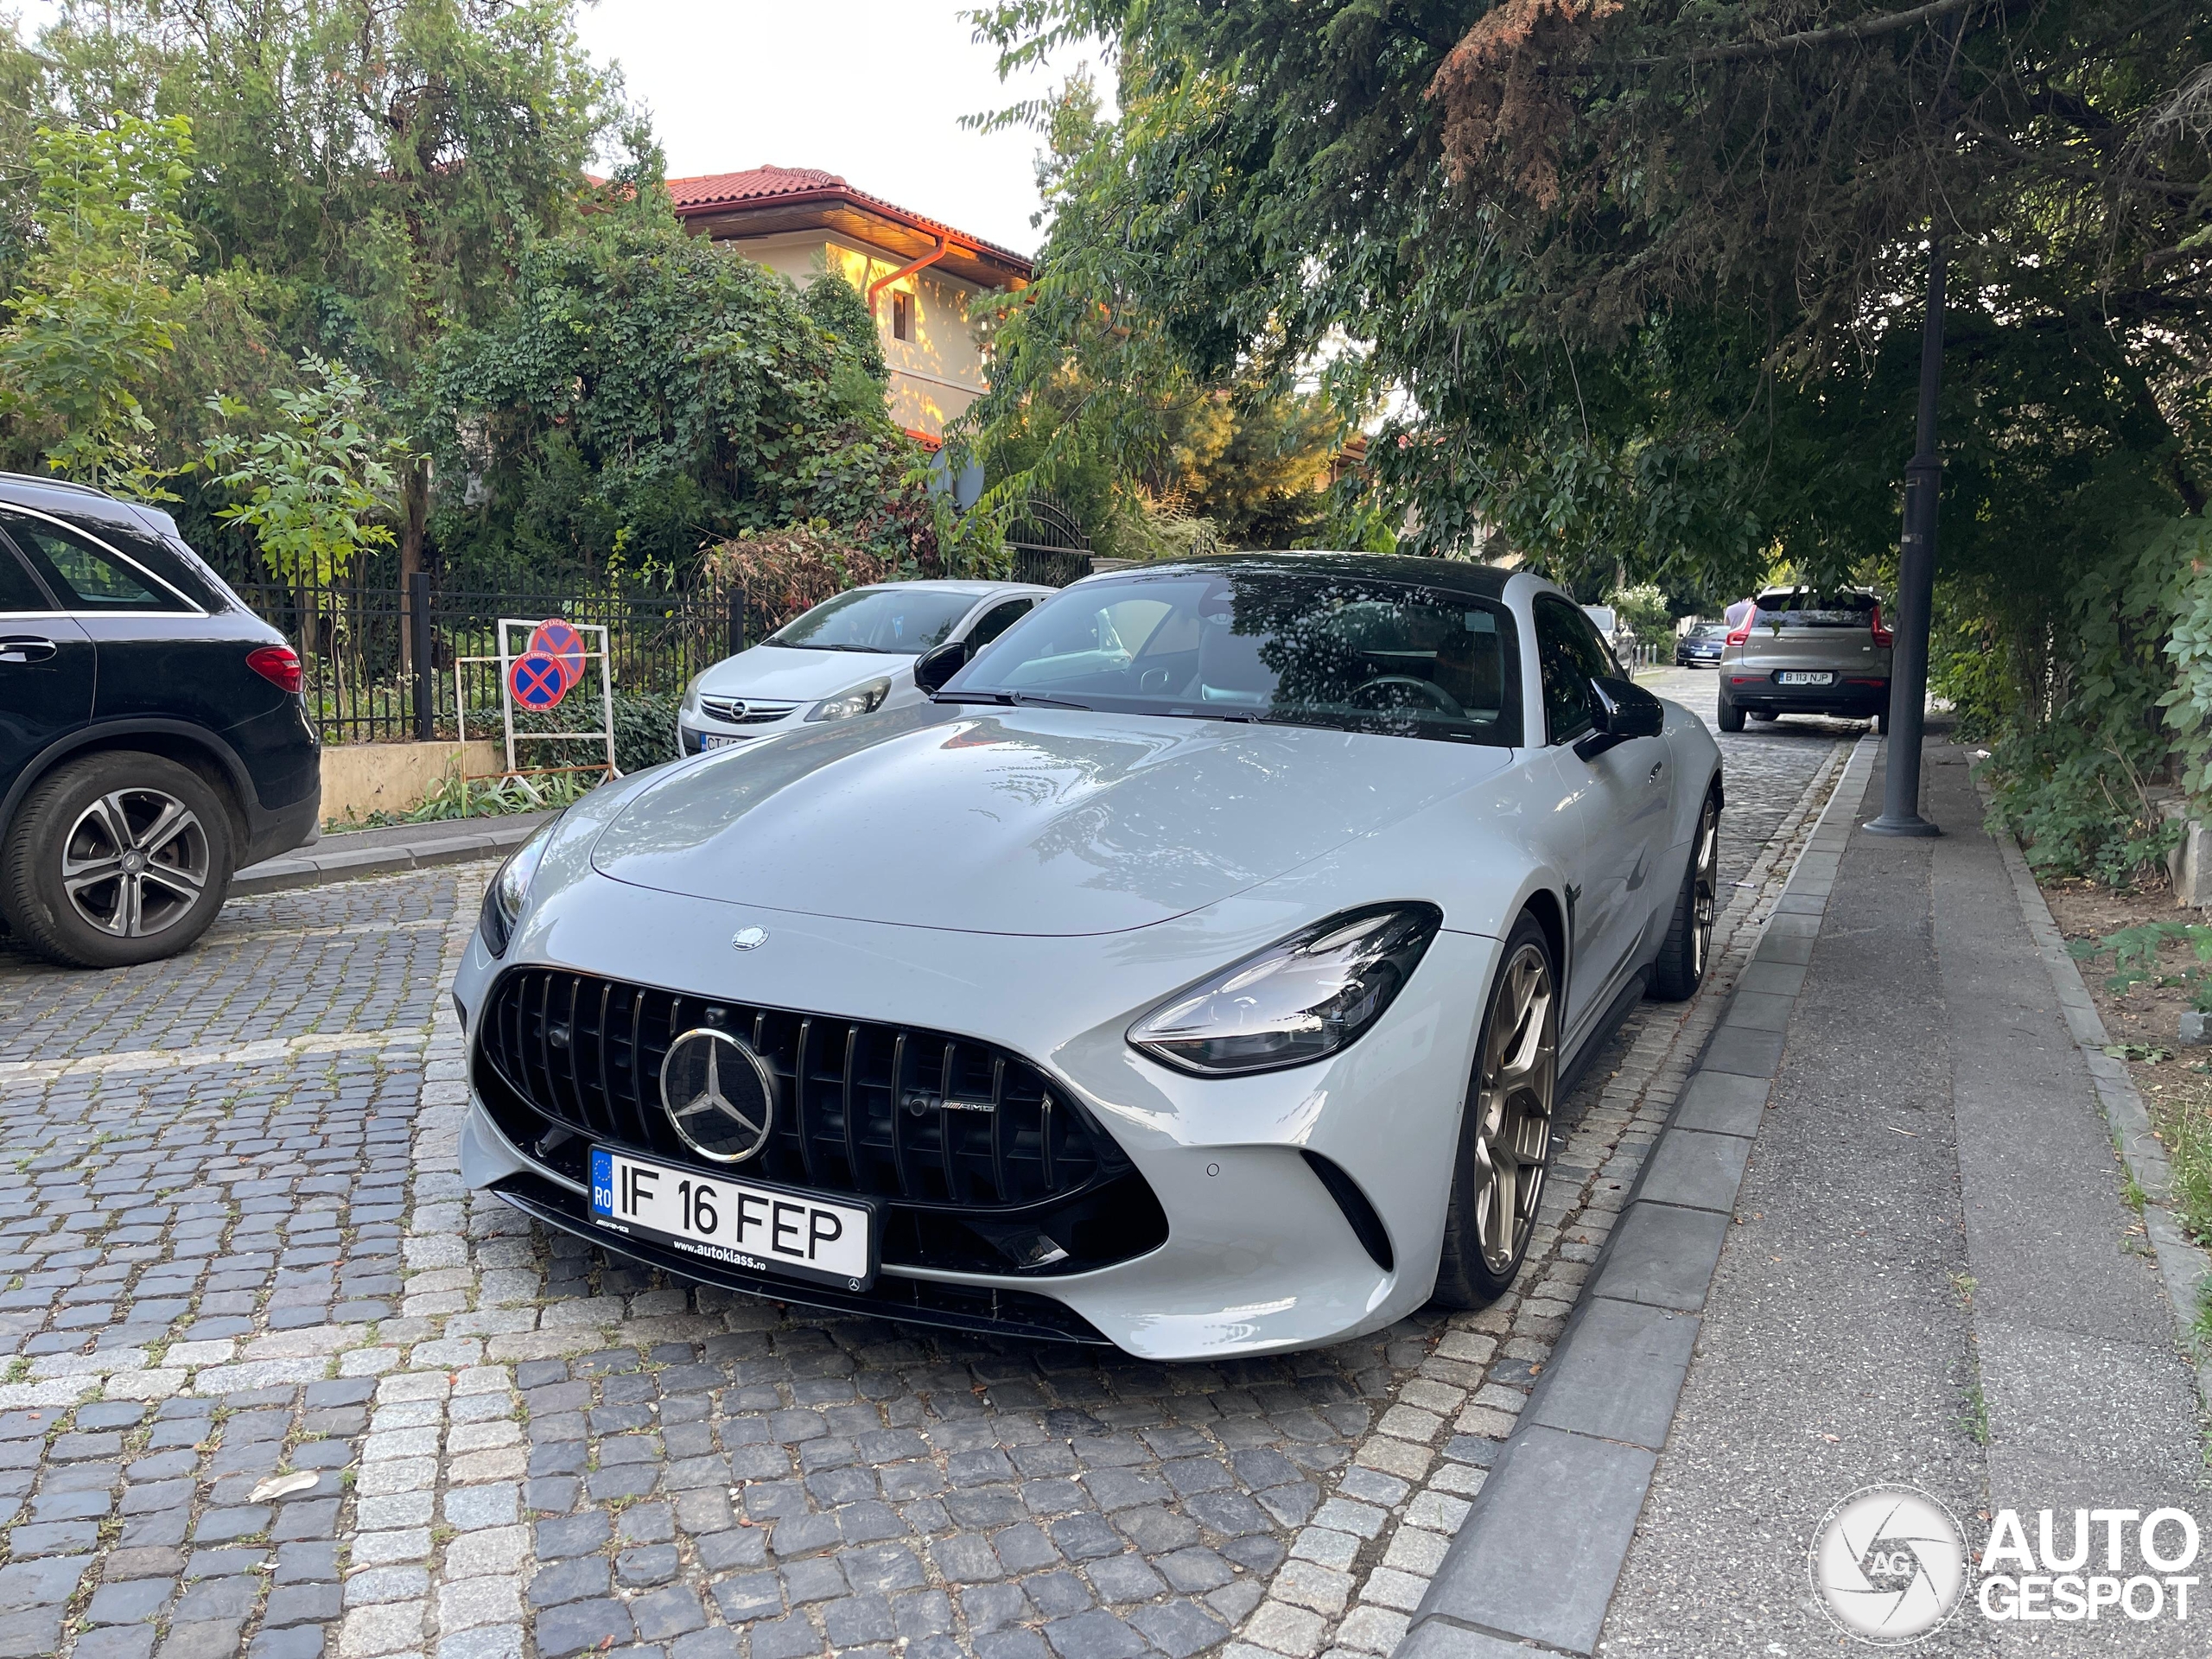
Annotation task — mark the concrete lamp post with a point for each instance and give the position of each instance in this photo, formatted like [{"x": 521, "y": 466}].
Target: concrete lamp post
[{"x": 1923, "y": 477}]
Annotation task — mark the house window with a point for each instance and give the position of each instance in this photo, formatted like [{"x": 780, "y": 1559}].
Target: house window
[{"x": 902, "y": 315}]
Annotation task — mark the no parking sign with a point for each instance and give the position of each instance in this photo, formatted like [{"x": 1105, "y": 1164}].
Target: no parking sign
[
  {"x": 556, "y": 639},
  {"x": 537, "y": 681}
]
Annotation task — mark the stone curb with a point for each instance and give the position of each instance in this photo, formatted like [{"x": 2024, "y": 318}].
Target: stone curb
[
  {"x": 1536, "y": 1559},
  {"x": 2183, "y": 1268},
  {"x": 321, "y": 863}
]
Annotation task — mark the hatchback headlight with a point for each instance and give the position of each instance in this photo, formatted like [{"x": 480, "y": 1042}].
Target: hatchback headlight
[
  {"x": 861, "y": 700},
  {"x": 1299, "y": 1000},
  {"x": 510, "y": 891},
  {"x": 690, "y": 704}
]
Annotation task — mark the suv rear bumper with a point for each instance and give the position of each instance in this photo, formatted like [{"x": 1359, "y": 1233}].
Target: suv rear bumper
[{"x": 1853, "y": 699}]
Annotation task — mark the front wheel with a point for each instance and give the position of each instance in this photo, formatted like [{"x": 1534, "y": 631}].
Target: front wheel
[
  {"x": 1505, "y": 1130},
  {"x": 116, "y": 859},
  {"x": 1680, "y": 967}
]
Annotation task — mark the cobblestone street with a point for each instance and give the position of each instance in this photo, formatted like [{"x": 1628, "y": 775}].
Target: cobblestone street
[{"x": 275, "y": 1385}]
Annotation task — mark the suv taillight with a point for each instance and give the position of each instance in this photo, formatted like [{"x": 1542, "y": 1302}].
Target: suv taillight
[
  {"x": 278, "y": 665},
  {"x": 1881, "y": 635},
  {"x": 1742, "y": 636}
]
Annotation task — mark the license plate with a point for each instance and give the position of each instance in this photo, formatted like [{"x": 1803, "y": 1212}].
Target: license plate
[
  {"x": 717, "y": 741},
  {"x": 1800, "y": 676},
  {"x": 761, "y": 1229}
]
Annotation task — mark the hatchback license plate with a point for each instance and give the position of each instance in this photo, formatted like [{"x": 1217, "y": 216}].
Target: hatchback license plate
[
  {"x": 763, "y": 1229},
  {"x": 717, "y": 741},
  {"x": 1800, "y": 676}
]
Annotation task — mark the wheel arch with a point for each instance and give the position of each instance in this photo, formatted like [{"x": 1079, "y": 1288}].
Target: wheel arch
[{"x": 195, "y": 748}]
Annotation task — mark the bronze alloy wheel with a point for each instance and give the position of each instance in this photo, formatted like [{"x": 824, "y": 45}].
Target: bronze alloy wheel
[
  {"x": 135, "y": 862},
  {"x": 1513, "y": 1108},
  {"x": 1705, "y": 886}
]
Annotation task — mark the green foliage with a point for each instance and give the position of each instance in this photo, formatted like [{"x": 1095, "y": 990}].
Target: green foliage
[
  {"x": 97, "y": 308},
  {"x": 315, "y": 484},
  {"x": 2135, "y": 957},
  {"x": 648, "y": 392}
]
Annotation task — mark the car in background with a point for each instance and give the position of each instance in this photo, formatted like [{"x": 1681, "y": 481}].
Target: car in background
[
  {"x": 1805, "y": 652},
  {"x": 153, "y": 738},
  {"x": 1619, "y": 639},
  {"x": 851, "y": 654},
  {"x": 1701, "y": 645}
]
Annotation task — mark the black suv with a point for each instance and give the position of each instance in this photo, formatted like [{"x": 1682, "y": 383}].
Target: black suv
[{"x": 152, "y": 735}]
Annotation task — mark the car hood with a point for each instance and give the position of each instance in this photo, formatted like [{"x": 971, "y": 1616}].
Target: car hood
[
  {"x": 1032, "y": 821},
  {"x": 782, "y": 674}
]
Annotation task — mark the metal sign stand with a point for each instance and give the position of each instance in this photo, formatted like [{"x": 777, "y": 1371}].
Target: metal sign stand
[{"x": 604, "y": 733}]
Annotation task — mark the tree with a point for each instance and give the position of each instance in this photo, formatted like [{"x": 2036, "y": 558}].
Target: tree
[
  {"x": 650, "y": 392},
  {"x": 100, "y": 299},
  {"x": 318, "y": 488}
]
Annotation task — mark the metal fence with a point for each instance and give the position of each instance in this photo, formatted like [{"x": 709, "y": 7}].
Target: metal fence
[
  {"x": 378, "y": 662},
  {"x": 377, "y": 659}
]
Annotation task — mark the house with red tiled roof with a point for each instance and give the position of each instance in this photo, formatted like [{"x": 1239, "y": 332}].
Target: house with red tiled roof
[{"x": 926, "y": 283}]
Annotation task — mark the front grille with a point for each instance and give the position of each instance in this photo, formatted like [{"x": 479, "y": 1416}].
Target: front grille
[
  {"x": 976, "y": 1155},
  {"x": 738, "y": 711}
]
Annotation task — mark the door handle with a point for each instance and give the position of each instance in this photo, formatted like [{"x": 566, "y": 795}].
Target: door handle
[{"x": 26, "y": 648}]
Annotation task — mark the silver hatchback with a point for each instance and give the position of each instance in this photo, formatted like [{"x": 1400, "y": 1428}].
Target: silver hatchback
[{"x": 1802, "y": 652}]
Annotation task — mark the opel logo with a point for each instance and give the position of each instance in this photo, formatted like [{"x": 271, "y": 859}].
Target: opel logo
[
  {"x": 720, "y": 1095},
  {"x": 749, "y": 939}
]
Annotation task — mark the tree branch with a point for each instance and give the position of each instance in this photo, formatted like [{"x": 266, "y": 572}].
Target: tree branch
[{"x": 1860, "y": 28}]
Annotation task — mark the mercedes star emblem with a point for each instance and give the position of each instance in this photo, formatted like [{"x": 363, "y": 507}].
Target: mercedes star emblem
[
  {"x": 749, "y": 939},
  {"x": 720, "y": 1095}
]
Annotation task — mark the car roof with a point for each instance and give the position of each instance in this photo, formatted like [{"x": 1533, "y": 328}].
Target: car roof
[
  {"x": 1480, "y": 581},
  {"x": 976, "y": 590}
]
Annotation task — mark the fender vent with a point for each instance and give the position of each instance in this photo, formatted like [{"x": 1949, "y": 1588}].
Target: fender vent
[{"x": 1366, "y": 1225}]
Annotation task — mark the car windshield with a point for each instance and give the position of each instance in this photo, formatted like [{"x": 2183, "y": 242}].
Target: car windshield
[
  {"x": 1710, "y": 630},
  {"x": 908, "y": 621},
  {"x": 1805, "y": 610},
  {"x": 1265, "y": 643}
]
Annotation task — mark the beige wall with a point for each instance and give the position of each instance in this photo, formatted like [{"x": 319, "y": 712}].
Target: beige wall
[
  {"x": 358, "y": 779},
  {"x": 934, "y": 376}
]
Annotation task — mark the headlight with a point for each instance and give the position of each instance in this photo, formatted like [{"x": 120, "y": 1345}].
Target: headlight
[
  {"x": 691, "y": 704},
  {"x": 1299, "y": 1000},
  {"x": 510, "y": 891},
  {"x": 861, "y": 700}
]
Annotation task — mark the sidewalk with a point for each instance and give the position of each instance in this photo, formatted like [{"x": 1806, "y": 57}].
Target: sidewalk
[
  {"x": 381, "y": 852},
  {"x": 1928, "y": 1275}
]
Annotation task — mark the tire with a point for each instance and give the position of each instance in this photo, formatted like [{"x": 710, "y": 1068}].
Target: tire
[
  {"x": 116, "y": 859},
  {"x": 1680, "y": 969},
  {"x": 1497, "y": 1179},
  {"x": 1882, "y": 724},
  {"x": 1731, "y": 717}
]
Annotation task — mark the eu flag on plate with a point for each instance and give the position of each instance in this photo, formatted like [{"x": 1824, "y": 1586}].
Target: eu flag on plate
[{"x": 602, "y": 1182}]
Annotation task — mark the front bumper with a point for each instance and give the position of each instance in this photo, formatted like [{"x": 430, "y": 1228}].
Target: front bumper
[{"x": 1258, "y": 1256}]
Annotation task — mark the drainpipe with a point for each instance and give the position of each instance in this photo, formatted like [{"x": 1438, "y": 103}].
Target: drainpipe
[{"x": 875, "y": 288}]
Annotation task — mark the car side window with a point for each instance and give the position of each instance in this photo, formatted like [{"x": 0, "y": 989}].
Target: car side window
[
  {"x": 20, "y": 592},
  {"x": 1567, "y": 659},
  {"x": 84, "y": 577},
  {"x": 996, "y": 620}
]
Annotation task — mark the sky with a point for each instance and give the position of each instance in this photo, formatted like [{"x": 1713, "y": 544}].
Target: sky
[{"x": 873, "y": 90}]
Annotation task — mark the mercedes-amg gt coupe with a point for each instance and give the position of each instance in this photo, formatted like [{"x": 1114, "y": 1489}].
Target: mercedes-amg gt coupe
[{"x": 1196, "y": 970}]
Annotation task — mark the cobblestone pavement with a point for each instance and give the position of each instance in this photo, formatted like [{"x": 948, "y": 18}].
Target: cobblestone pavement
[{"x": 274, "y": 1385}]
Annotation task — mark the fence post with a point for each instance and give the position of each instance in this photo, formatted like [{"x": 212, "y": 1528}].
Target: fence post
[
  {"x": 736, "y": 621},
  {"x": 418, "y": 608}
]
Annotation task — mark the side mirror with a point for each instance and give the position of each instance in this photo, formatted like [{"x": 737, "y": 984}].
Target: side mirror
[
  {"x": 935, "y": 666},
  {"x": 1625, "y": 710}
]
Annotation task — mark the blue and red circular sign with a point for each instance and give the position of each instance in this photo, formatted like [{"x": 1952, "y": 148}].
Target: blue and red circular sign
[
  {"x": 556, "y": 639},
  {"x": 536, "y": 680}
]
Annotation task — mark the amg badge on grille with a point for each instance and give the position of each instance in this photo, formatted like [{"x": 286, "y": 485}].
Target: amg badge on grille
[{"x": 720, "y": 1095}]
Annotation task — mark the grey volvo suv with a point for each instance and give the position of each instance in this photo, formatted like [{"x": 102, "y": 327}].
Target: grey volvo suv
[{"x": 1802, "y": 651}]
